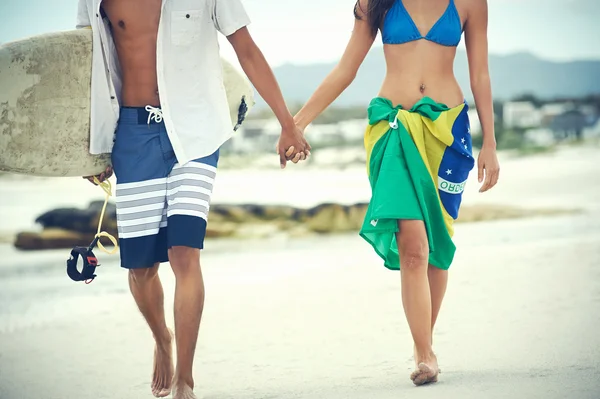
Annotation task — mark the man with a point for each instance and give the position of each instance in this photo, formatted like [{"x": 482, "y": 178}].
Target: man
[{"x": 158, "y": 95}]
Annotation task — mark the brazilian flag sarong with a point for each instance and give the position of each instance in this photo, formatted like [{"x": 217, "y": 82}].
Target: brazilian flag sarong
[{"x": 418, "y": 161}]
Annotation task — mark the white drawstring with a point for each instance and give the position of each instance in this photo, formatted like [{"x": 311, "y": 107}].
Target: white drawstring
[{"x": 154, "y": 113}]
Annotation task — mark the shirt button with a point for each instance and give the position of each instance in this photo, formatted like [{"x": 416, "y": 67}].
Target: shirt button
[
  {"x": 112, "y": 97},
  {"x": 97, "y": 15},
  {"x": 187, "y": 15}
]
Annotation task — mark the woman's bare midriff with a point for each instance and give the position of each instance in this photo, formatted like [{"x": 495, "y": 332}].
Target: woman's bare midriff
[
  {"x": 134, "y": 25},
  {"x": 420, "y": 69}
]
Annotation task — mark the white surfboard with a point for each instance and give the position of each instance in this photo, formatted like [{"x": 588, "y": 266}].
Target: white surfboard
[{"x": 45, "y": 87}]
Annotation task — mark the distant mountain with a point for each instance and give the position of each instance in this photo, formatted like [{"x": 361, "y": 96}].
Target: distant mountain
[{"x": 512, "y": 75}]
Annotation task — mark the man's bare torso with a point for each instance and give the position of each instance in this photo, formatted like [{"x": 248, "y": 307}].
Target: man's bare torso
[{"x": 134, "y": 25}]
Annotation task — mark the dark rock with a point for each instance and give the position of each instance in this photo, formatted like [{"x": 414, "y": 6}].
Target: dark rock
[
  {"x": 333, "y": 218},
  {"x": 52, "y": 239},
  {"x": 220, "y": 230},
  {"x": 68, "y": 218},
  {"x": 80, "y": 220},
  {"x": 68, "y": 227},
  {"x": 96, "y": 207}
]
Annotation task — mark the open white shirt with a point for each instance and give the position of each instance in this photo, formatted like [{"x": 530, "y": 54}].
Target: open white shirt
[{"x": 190, "y": 81}]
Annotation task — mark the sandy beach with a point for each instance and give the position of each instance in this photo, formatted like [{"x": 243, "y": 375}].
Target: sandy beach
[{"x": 319, "y": 316}]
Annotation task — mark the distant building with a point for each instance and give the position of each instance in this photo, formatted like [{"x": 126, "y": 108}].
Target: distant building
[
  {"x": 569, "y": 124},
  {"x": 324, "y": 134},
  {"x": 544, "y": 125},
  {"x": 259, "y": 136},
  {"x": 593, "y": 129},
  {"x": 540, "y": 136},
  {"x": 255, "y": 136},
  {"x": 589, "y": 110},
  {"x": 353, "y": 129},
  {"x": 555, "y": 109},
  {"x": 474, "y": 122},
  {"x": 550, "y": 111},
  {"x": 521, "y": 114}
]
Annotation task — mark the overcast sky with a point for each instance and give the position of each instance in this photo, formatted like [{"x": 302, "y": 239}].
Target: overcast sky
[{"x": 309, "y": 31}]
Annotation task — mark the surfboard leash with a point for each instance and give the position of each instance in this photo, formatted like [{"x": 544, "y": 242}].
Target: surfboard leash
[{"x": 90, "y": 261}]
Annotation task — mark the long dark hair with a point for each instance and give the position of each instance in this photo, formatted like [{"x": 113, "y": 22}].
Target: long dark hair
[{"x": 375, "y": 12}]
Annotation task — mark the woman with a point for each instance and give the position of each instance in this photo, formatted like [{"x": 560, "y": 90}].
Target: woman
[{"x": 418, "y": 152}]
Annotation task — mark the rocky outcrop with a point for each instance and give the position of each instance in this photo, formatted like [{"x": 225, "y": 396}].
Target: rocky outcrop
[
  {"x": 324, "y": 218},
  {"x": 68, "y": 227},
  {"x": 335, "y": 218},
  {"x": 81, "y": 220},
  {"x": 52, "y": 239}
]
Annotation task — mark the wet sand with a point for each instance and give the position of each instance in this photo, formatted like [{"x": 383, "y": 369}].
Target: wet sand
[{"x": 319, "y": 317}]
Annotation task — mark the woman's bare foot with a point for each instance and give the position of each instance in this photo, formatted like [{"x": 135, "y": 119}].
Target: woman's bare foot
[
  {"x": 415, "y": 358},
  {"x": 182, "y": 390},
  {"x": 162, "y": 376},
  {"x": 427, "y": 370}
]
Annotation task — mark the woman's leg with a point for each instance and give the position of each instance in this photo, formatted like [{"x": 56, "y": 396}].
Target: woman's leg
[
  {"x": 438, "y": 281},
  {"x": 416, "y": 296}
]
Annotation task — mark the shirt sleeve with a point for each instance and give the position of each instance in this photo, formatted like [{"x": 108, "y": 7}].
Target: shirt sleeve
[
  {"x": 83, "y": 16},
  {"x": 229, "y": 16}
]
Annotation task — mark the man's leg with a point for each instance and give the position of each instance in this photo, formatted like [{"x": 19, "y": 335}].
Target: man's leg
[
  {"x": 189, "y": 303},
  {"x": 139, "y": 162},
  {"x": 189, "y": 191},
  {"x": 147, "y": 291}
]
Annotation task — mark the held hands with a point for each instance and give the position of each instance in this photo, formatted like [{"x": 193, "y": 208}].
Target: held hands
[
  {"x": 292, "y": 146},
  {"x": 101, "y": 177},
  {"x": 488, "y": 167}
]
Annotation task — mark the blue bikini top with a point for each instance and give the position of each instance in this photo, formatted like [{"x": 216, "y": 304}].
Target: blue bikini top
[{"x": 399, "y": 27}]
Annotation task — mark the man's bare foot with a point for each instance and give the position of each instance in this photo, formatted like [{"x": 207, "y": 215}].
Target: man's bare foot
[
  {"x": 183, "y": 391},
  {"x": 163, "y": 367},
  {"x": 427, "y": 370}
]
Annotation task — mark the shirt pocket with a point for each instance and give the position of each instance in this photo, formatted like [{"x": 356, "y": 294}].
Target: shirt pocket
[{"x": 186, "y": 27}]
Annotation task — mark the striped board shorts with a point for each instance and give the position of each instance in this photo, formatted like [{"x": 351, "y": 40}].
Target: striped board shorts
[{"x": 160, "y": 203}]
